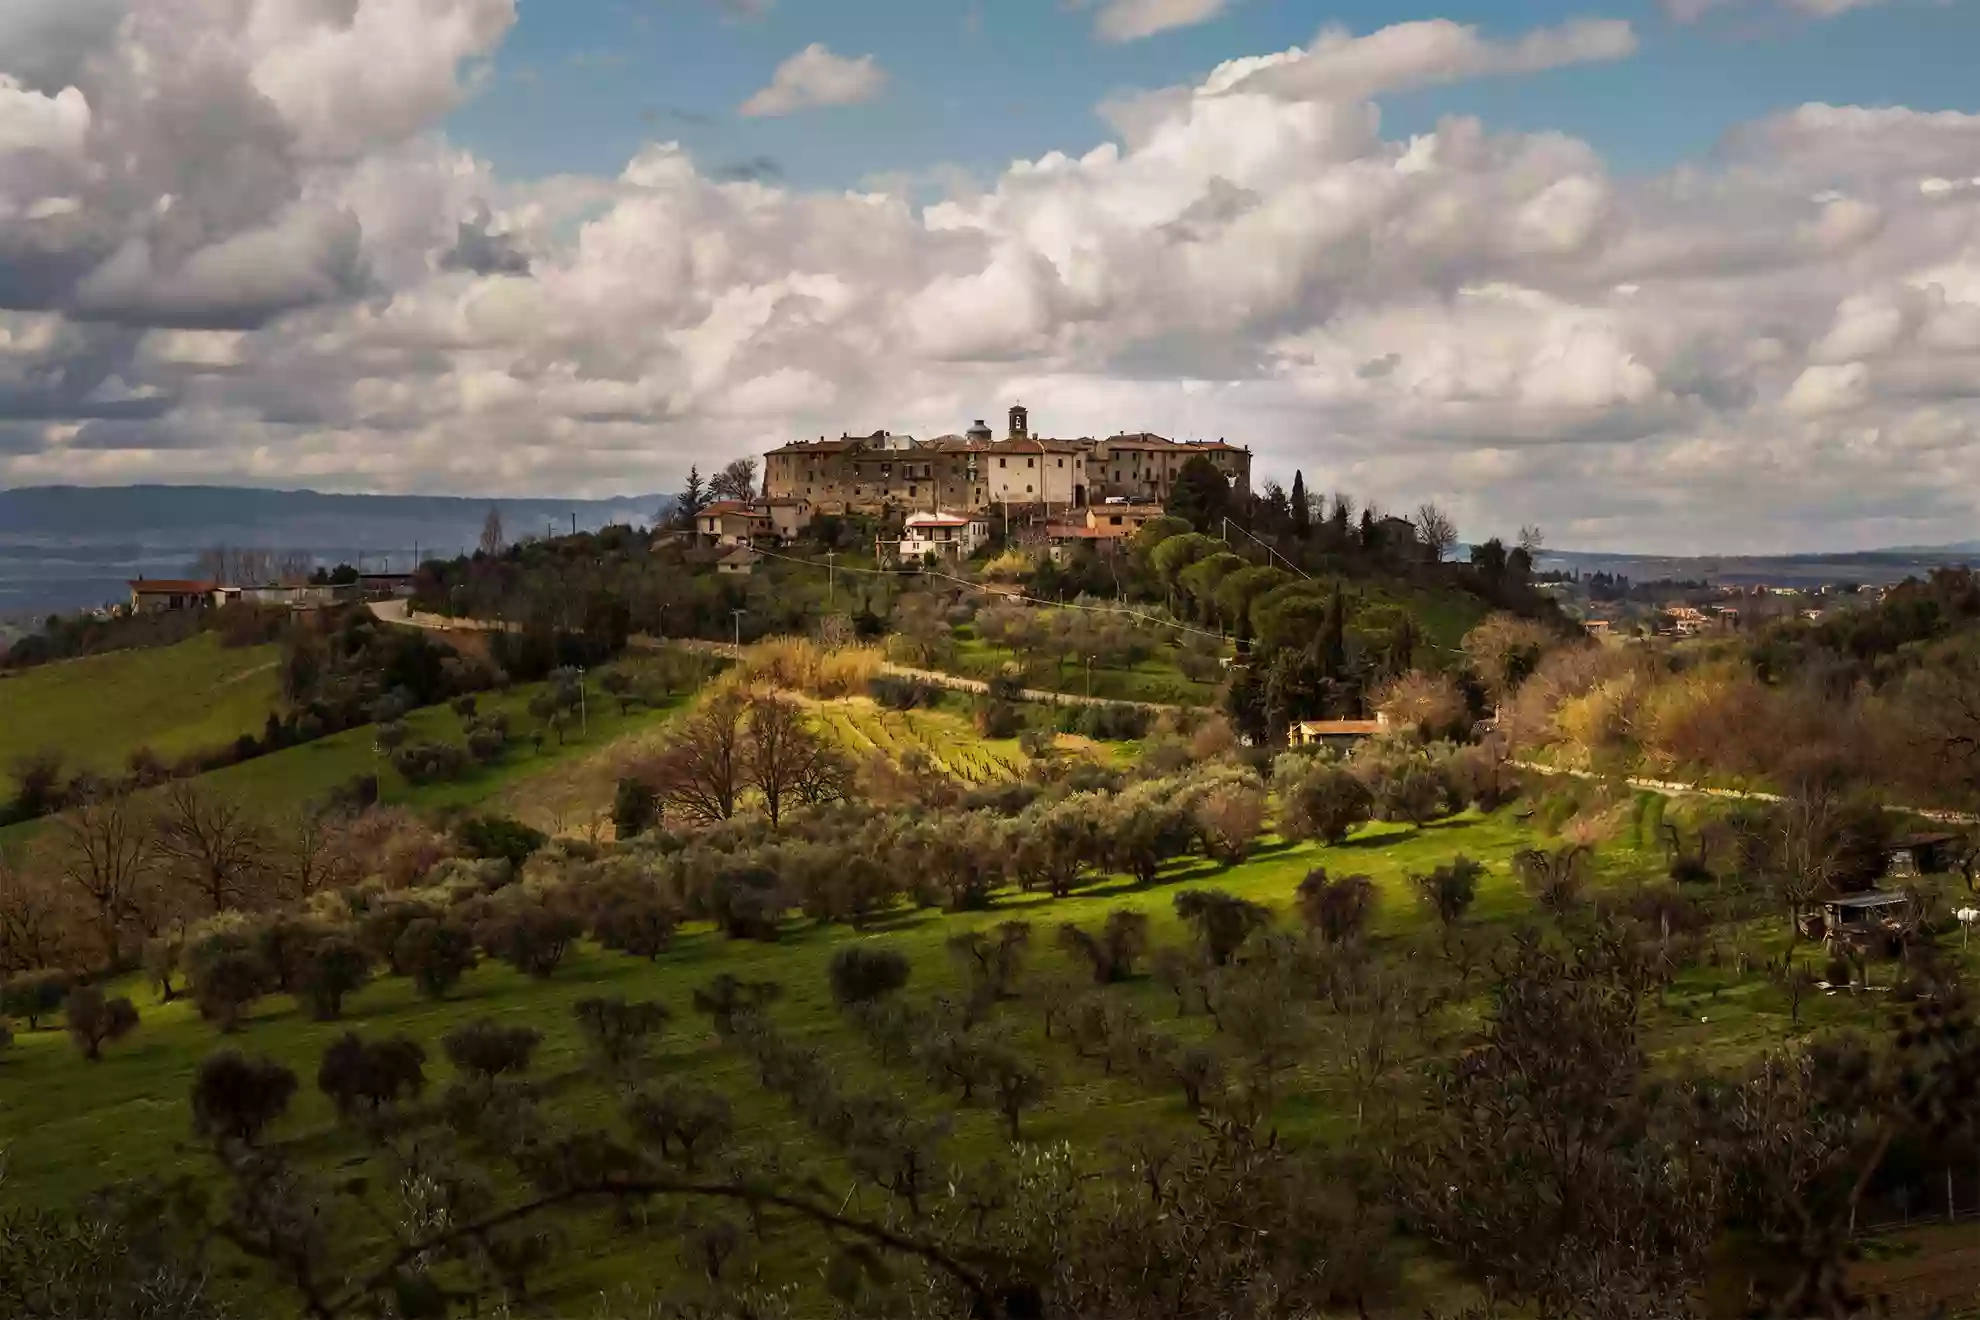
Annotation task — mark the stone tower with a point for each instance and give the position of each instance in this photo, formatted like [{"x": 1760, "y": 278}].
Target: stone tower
[{"x": 1020, "y": 422}]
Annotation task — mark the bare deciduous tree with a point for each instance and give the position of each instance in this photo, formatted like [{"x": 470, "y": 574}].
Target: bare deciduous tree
[
  {"x": 210, "y": 845},
  {"x": 492, "y": 539},
  {"x": 33, "y": 925},
  {"x": 736, "y": 481},
  {"x": 107, "y": 852},
  {"x": 701, "y": 771},
  {"x": 1437, "y": 529}
]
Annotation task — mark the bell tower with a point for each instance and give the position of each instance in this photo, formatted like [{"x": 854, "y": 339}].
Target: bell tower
[{"x": 1020, "y": 422}]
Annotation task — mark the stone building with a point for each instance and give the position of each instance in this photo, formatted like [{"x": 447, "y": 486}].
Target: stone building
[{"x": 972, "y": 471}]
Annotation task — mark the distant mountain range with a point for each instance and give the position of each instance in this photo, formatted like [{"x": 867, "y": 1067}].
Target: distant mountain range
[
  {"x": 1867, "y": 567},
  {"x": 71, "y": 547}
]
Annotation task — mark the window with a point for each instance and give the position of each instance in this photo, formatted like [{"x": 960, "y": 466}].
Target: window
[
  {"x": 1000, "y": 462},
  {"x": 1027, "y": 462},
  {"x": 913, "y": 491},
  {"x": 1115, "y": 520},
  {"x": 1062, "y": 462},
  {"x": 1027, "y": 490}
]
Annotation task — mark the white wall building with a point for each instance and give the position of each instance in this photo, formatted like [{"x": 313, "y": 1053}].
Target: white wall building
[{"x": 949, "y": 535}]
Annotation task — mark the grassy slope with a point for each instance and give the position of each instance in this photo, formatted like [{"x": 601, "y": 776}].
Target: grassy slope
[
  {"x": 175, "y": 699},
  {"x": 71, "y": 1125},
  {"x": 520, "y": 782},
  {"x": 1155, "y": 679}
]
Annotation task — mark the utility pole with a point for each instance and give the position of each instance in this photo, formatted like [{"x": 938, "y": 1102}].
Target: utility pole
[
  {"x": 584, "y": 717},
  {"x": 831, "y": 578},
  {"x": 739, "y": 614},
  {"x": 573, "y": 522}
]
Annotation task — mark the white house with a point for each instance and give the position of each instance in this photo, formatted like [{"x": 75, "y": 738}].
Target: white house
[{"x": 950, "y": 535}]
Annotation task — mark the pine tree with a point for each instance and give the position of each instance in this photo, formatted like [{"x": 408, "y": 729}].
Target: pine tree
[
  {"x": 1331, "y": 646},
  {"x": 1302, "y": 516},
  {"x": 692, "y": 500}
]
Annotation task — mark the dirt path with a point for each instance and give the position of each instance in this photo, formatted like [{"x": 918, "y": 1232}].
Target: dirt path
[{"x": 1670, "y": 788}]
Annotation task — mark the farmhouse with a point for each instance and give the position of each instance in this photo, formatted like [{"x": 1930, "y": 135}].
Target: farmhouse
[
  {"x": 1337, "y": 733},
  {"x": 162, "y": 595}
]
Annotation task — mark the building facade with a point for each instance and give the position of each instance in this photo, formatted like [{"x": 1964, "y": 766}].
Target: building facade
[{"x": 884, "y": 472}]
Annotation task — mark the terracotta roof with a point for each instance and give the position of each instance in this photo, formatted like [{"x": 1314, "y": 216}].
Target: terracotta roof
[
  {"x": 1068, "y": 532},
  {"x": 742, "y": 554},
  {"x": 813, "y": 447},
  {"x": 1032, "y": 444},
  {"x": 725, "y": 507},
  {"x": 1336, "y": 728},
  {"x": 170, "y": 586},
  {"x": 1139, "y": 440}
]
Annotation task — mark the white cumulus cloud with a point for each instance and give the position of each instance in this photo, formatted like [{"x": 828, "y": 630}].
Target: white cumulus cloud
[
  {"x": 816, "y": 77},
  {"x": 1131, "y": 20},
  {"x": 242, "y": 250}
]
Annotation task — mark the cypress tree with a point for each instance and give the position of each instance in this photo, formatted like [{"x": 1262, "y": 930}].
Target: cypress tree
[{"x": 1302, "y": 516}]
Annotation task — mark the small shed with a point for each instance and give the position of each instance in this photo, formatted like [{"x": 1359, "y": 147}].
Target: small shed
[
  {"x": 739, "y": 562},
  {"x": 1860, "y": 914},
  {"x": 1919, "y": 854}
]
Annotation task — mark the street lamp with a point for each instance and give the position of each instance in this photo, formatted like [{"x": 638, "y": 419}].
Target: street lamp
[{"x": 738, "y": 614}]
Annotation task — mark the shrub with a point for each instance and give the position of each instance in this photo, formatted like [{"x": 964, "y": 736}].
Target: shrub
[
  {"x": 642, "y": 926},
  {"x": 1230, "y": 817},
  {"x": 1406, "y": 784},
  {"x": 617, "y": 1031},
  {"x": 1449, "y": 889},
  {"x": 235, "y": 1098},
  {"x": 1339, "y": 910},
  {"x": 284, "y": 945},
  {"x": 686, "y": 1122},
  {"x": 361, "y": 1077},
  {"x": 226, "y": 980},
  {"x": 1123, "y": 939},
  {"x": 901, "y": 693},
  {"x": 95, "y": 1021},
  {"x": 486, "y": 744},
  {"x": 487, "y": 1049},
  {"x": 1554, "y": 878},
  {"x": 34, "y": 995},
  {"x": 380, "y": 928},
  {"x": 435, "y": 953},
  {"x": 859, "y": 974},
  {"x": 998, "y": 719},
  {"x": 1325, "y": 802},
  {"x": 1222, "y": 922},
  {"x": 532, "y": 939},
  {"x": 993, "y": 958},
  {"x": 338, "y": 966},
  {"x": 430, "y": 762},
  {"x": 635, "y": 808},
  {"x": 499, "y": 836}
]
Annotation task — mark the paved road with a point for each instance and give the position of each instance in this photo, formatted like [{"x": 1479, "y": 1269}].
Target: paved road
[{"x": 398, "y": 611}]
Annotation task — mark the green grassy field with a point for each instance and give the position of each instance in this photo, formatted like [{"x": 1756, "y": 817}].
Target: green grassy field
[
  {"x": 1156, "y": 679},
  {"x": 288, "y": 780},
  {"x": 192, "y": 697},
  {"x": 69, "y": 1125}
]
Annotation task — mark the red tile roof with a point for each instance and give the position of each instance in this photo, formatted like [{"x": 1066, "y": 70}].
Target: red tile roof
[{"x": 1335, "y": 728}]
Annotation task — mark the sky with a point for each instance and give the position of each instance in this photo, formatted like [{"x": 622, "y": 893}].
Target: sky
[{"x": 1680, "y": 276}]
